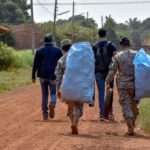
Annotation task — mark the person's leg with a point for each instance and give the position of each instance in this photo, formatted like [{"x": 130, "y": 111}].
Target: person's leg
[
  {"x": 52, "y": 88},
  {"x": 70, "y": 110},
  {"x": 133, "y": 106},
  {"x": 77, "y": 113},
  {"x": 44, "y": 90},
  {"x": 101, "y": 93},
  {"x": 125, "y": 101},
  {"x": 111, "y": 116}
]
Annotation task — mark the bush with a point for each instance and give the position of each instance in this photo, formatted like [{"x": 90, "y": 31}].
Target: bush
[{"x": 9, "y": 58}]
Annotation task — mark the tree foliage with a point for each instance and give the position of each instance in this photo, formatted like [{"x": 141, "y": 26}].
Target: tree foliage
[{"x": 14, "y": 11}]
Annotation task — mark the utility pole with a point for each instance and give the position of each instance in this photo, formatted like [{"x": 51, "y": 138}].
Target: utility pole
[
  {"x": 54, "y": 24},
  {"x": 33, "y": 32},
  {"x": 102, "y": 21},
  {"x": 73, "y": 11},
  {"x": 87, "y": 15}
]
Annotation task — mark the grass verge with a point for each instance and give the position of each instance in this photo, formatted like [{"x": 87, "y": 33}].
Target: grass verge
[
  {"x": 144, "y": 116},
  {"x": 14, "y": 78}
]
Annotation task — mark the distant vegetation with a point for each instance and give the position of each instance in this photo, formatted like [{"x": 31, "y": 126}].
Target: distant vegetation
[
  {"x": 144, "y": 119},
  {"x": 10, "y": 59}
]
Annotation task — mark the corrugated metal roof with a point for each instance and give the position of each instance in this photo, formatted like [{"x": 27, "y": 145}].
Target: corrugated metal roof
[{"x": 4, "y": 28}]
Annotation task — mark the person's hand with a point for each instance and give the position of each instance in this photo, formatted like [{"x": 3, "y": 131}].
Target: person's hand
[
  {"x": 33, "y": 80},
  {"x": 58, "y": 94},
  {"x": 107, "y": 87}
]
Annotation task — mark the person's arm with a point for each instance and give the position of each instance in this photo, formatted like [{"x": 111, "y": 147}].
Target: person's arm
[
  {"x": 112, "y": 72},
  {"x": 35, "y": 66},
  {"x": 59, "y": 74}
]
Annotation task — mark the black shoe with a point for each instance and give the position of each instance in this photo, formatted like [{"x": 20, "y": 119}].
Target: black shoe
[
  {"x": 74, "y": 130},
  {"x": 45, "y": 117}
]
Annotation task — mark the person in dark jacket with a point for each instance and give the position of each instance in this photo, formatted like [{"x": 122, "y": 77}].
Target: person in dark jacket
[{"x": 44, "y": 65}]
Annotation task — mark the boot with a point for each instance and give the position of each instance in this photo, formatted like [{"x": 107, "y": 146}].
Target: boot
[
  {"x": 51, "y": 111},
  {"x": 129, "y": 122},
  {"x": 45, "y": 117},
  {"x": 74, "y": 126}
]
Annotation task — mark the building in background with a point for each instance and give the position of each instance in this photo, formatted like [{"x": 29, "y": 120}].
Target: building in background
[{"x": 23, "y": 36}]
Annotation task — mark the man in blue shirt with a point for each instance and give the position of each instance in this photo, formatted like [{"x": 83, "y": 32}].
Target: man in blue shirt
[
  {"x": 44, "y": 65},
  {"x": 104, "y": 50}
]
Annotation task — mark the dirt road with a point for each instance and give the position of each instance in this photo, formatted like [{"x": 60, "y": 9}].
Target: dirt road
[{"x": 22, "y": 128}]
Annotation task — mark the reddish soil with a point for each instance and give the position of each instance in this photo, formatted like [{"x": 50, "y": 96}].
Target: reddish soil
[{"x": 22, "y": 128}]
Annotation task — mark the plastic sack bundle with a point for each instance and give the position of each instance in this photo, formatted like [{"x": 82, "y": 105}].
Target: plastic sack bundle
[
  {"x": 142, "y": 74},
  {"x": 78, "y": 80}
]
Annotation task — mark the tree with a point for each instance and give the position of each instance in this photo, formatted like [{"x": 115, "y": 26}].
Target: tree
[
  {"x": 136, "y": 39},
  {"x": 134, "y": 23},
  {"x": 110, "y": 26},
  {"x": 89, "y": 23},
  {"x": 14, "y": 11}
]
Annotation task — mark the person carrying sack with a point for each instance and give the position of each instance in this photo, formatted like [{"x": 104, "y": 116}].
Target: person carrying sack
[
  {"x": 75, "y": 74},
  {"x": 123, "y": 63}
]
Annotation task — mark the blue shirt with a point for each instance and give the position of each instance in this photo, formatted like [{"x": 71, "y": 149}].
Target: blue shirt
[
  {"x": 111, "y": 47},
  {"x": 45, "y": 62}
]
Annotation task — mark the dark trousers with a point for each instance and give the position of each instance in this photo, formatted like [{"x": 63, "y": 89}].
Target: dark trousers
[{"x": 48, "y": 87}]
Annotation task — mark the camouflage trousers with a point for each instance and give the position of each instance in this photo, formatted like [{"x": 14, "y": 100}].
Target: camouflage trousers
[
  {"x": 75, "y": 109},
  {"x": 129, "y": 106}
]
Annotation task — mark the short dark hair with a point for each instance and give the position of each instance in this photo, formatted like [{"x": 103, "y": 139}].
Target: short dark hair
[
  {"x": 102, "y": 32},
  {"x": 125, "y": 42},
  {"x": 48, "y": 38},
  {"x": 66, "y": 47}
]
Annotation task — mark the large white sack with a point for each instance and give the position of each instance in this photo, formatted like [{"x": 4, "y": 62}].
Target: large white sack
[
  {"x": 142, "y": 74},
  {"x": 78, "y": 80}
]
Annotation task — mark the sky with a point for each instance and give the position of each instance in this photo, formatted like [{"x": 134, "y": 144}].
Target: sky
[{"x": 120, "y": 13}]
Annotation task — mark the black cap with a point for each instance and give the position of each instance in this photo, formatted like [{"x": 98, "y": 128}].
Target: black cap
[
  {"x": 48, "y": 38},
  {"x": 125, "y": 41}
]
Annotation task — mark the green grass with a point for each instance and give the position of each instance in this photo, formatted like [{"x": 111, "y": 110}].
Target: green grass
[
  {"x": 144, "y": 116},
  {"x": 14, "y": 78},
  {"x": 26, "y": 57},
  {"x": 20, "y": 73}
]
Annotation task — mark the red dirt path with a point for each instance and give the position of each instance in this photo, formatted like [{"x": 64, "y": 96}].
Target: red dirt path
[{"x": 22, "y": 128}]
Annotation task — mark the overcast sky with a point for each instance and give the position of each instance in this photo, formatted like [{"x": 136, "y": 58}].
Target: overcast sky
[{"x": 120, "y": 13}]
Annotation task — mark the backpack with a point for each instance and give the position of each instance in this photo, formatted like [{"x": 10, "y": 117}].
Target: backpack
[{"x": 103, "y": 58}]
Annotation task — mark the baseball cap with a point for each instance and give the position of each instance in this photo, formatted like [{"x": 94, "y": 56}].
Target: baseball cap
[{"x": 65, "y": 42}]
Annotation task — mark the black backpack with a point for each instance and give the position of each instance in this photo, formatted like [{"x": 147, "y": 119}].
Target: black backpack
[{"x": 102, "y": 58}]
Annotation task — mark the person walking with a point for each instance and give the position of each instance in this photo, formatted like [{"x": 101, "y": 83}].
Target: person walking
[
  {"x": 44, "y": 65},
  {"x": 75, "y": 109},
  {"x": 104, "y": 50},
  {"x": 123, "y": 63}
]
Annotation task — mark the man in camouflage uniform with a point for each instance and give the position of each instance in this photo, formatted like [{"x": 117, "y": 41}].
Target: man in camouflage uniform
[
  {"x": 123, "y": 63},
  {"x": 75, "y": 109}
]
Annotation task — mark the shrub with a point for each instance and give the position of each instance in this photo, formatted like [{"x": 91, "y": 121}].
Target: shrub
[{"x": 7, "y": 57}]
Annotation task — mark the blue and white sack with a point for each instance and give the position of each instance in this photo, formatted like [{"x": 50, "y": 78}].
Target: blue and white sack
[
  {"x": 78, "y": 79},
  {"x": 142, "y": 74}
]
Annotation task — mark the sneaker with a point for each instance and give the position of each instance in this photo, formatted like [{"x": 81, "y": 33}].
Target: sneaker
[
  {"x": 45, "y": 117},
  {"x": 51, "y": 111},
  {"x": 74, "y": 129}
]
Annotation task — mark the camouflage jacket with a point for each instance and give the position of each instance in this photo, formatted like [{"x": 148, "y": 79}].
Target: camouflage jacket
[
  {"x": 60, "y": 70},
  {"x": 123, "y": 63}
]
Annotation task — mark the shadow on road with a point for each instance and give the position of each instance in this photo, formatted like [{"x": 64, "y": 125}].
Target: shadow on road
[{"x": 50, "y": 121}]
